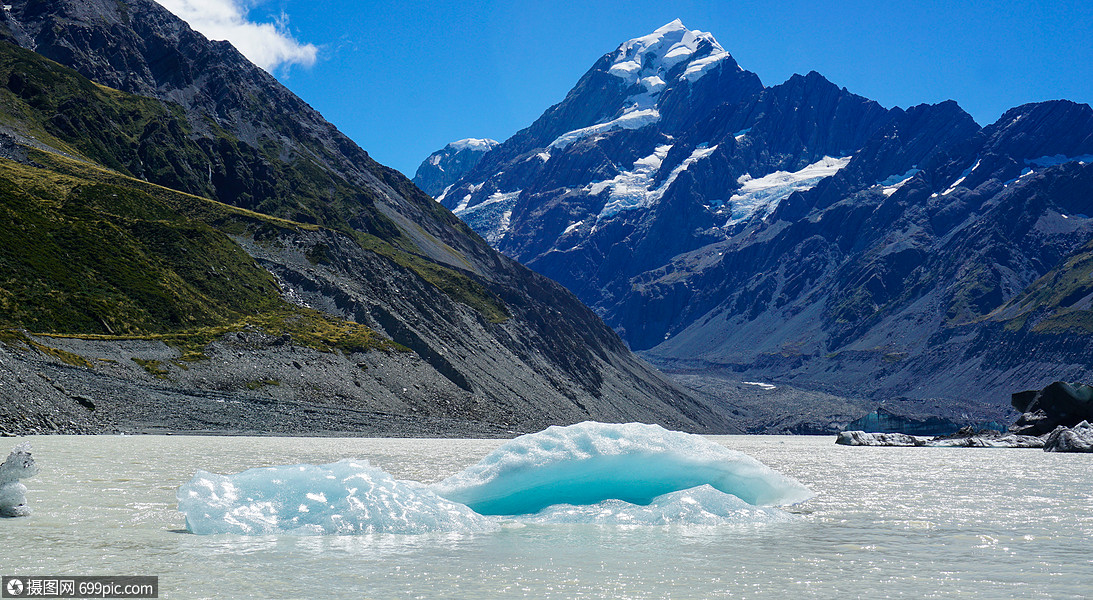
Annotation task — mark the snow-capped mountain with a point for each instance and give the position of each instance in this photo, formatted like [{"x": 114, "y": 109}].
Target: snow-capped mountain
[
  {"x": 799, "y": 232},
  {"x": 445, "y": 166}
]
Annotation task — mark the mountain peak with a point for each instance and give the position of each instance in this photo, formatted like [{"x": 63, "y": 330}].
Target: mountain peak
[
  {"x": 656, "y": 58},
  {"x": 474, "y": 144}
]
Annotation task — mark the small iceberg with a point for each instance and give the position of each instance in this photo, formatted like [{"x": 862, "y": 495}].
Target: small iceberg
[
  {"x": 13, "y": 494},
  {"x": 340, "y": 498},
  {"x": 590, "y": 462}
]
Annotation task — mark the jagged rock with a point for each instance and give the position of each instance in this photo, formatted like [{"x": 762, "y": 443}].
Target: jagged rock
[
  {"x": 1060, "y": 404},
  {"x": 1073, "y": 439}
]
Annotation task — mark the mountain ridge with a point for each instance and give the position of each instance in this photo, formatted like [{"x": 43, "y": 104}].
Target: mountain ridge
[
  {"x": 466, "y": 340},
  {"x": 805, "y": 235}
]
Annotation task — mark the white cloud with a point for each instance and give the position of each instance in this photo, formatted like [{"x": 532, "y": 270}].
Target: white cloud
[{"x": 268, "y": 45}]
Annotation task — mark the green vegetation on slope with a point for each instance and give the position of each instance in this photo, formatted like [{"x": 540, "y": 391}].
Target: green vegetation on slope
[
  {"x": 84, "y": 257},
  {"x": 1055, "y": 298},
  {"x": 106, "y": 252}
]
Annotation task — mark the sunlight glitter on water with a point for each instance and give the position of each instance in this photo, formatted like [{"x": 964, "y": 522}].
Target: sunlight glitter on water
[{"x": 886, "y": 522}]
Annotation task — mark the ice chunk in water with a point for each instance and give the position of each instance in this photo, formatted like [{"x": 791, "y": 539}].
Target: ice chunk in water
[
  {"x": 13, "y": 494},
  {"x": 345, "y": 497},
  {"x": 590, "y": 462},
  {"x": 702, "y": 505}
]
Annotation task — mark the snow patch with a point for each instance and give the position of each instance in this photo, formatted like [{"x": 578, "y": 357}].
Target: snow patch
[
  {"x": 762, "y": 195},
  {"x": 635, "y": 119},
  {"x": 760, "y": 385},
  {"x": 633, "y": 189},
  {"x": 471, "y": 191},
  {"x": 573, "y": 227},
  {"x": 963, "y": 176},
  {"x": 895, "y": 182},
  {"x": 444, "y": 194}
]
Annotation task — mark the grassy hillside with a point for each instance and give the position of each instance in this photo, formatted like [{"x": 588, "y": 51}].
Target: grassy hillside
[{"x": 101, "y": 250}]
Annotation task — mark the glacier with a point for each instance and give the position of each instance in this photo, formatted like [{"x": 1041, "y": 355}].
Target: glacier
[
  {"x": 346, "y": 497},
  {"x": 594, "y": 473},
  {"x": 591, "y": 462},
  {"x": 763, "y": 194}
]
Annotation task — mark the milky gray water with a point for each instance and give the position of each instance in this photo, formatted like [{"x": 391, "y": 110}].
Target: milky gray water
[{"x": 885, "y": 523}]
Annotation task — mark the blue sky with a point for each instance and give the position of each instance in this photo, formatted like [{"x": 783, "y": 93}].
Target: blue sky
[{"x": 402, "y": 79}]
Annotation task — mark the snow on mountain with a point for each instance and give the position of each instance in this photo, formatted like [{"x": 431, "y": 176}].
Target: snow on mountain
[
  {"x": 633, "y": 119},
  {"x": 651, "y": 59},
  {"x": 762, "y": 195},
  {"x": 445, "y": 166},
  {"x": 478, "y": 145}
]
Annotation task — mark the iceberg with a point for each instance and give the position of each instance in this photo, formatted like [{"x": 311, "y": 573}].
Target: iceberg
[
  {"x": 594, "y": 473},
  {"x": 591, "y": 462},
  {"x": 343, "y": 498},
  {"x": 13, "y": 493},
  {"x": 702, "y": 505}
]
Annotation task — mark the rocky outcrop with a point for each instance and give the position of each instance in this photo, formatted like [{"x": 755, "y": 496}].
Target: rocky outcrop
[
  {"x": 1060, "y": 404},
  {"x": 1071, "y": 439}
]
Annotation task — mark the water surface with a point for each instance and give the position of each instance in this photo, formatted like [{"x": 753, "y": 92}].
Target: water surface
[{"x": 886, "y": 523}]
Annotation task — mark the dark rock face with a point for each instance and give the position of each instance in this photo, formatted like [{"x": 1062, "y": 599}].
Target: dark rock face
[
  {"x": 924, "y": 257},
  {"x": 445, "y": 166},
  {"x": 1060, "y": 404},
  {"x": 491, "y": 341}
]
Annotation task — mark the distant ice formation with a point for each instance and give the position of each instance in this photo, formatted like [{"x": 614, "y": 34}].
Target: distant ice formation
[
  {"x": 591, "y": 462},
  {"x": 13, "y": 494},
  {"x": 342, "y": 498},
  {"x": 608, "y": 474}
]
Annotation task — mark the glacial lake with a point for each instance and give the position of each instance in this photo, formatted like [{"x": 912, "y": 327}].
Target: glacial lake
[{"x": 885, "y": 523}]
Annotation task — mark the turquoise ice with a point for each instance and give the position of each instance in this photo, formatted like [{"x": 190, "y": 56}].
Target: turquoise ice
[
  {"x": 342, "y": 498},
  {"x": 590, "y": 462},
  {"x": 625, "y": 474}
]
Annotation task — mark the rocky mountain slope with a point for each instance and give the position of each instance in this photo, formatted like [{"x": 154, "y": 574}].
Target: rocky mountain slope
[
  {"x": 803, "y": 234},
  {"x": 193, "y": 247}
]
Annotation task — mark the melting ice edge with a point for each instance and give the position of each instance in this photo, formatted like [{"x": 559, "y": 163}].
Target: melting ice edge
[{"x": 610, "y": 474}]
